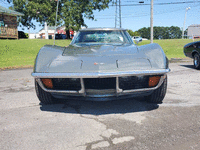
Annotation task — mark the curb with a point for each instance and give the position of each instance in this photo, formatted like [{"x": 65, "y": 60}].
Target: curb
[
  {"x": 177, "y": 60},
  {"x": 16, "y": 68}
]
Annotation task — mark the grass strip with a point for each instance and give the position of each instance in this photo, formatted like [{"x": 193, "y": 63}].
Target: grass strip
[
  {"x": 173, "y": 48},
  {"x": 21, "y": 53}
]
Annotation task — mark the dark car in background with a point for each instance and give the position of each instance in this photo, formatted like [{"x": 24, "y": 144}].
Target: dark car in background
[
  {"x": 192, "y": 50},
  {"x": 22, "y": 35},
  {"x": 60, "y": 36}
]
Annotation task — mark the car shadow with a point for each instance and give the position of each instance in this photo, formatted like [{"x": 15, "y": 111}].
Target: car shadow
[
  {"x": 100, "y": 108},
  {"x": 188, "y": 66}
]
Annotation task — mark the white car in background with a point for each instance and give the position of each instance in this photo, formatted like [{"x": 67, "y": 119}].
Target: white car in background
[{"x": 137, "y": 37}]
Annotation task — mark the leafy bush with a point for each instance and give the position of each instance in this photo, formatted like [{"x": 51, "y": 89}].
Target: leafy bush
[
  {"x": 27, "y": 36},
  {"x": 22, "y": 35}
]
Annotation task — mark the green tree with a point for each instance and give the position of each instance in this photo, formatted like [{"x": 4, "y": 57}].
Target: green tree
[
  {"x": 144, "y": 32},
  {"x": 165, "y": 33},
  {"x": 27, "y": 35},
  {"x": 175, "y": 32},
  {"x": 133, "y": 33},
  {"x": 71, "y": 13},
  {"x": 186, "y": 33},
  {"x": 172, "y": 32},
  {"x": 161, "y": 32}
]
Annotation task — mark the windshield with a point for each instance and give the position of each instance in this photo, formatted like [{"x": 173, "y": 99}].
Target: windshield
[{"x": 102, "y": 37}]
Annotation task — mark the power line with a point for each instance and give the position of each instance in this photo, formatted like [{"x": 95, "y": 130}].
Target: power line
[
  {"x": 155, "y": 13},
  {"x": 158, "y": 13},
  {"x": 147, "y": 14},
  {"x": 171, "y": 3},
  {"x": 136, "y": 1}
]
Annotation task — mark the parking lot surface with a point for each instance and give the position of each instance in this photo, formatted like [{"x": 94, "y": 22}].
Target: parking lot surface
[{"x": 130, "y": 124}]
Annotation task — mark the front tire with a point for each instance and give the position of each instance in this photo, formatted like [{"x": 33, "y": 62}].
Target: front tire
[
  {"x": 196, "y": 61},
  {"x": 158, "y": 95},
  {"x": 43, "y": 96}
]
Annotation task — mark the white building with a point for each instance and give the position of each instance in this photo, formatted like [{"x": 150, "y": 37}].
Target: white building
[
  {"x": 34, "y": 36},
  {"x": 50, "y": 31},
  {"x": 194, "y": 31}
]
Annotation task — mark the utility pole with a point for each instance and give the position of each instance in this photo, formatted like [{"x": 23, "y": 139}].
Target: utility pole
[
  {"x": 185, "y": 21},
  {"x": 120, "y": 15},
  {"x": 116, "y": 14},
  {"x": 56, "y": 22},
  {"x": 28, "y": 19},
  {"x": 46, "y": 30},
  {"x": 151, "y": 21},
  {"x": 29, "y": 32}
]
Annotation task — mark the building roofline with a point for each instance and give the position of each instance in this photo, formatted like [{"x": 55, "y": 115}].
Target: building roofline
[
  {"x": 49, "y": 28},
  {"x": 194, "y": 25}
]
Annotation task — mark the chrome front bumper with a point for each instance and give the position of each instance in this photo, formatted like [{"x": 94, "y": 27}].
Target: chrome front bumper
[
  {"x": 99, "y": 93},
  {"x": 100, "y": 74}
]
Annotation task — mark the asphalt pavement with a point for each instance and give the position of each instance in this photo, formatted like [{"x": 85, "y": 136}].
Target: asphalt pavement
[{"x": 130, "y": 124}]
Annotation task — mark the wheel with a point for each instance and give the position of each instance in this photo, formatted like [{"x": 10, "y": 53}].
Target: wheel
[
  {"x": 43, "y": 96},
  {"x": 158, "y": 95},
  {"x": 196, "y": 61}
]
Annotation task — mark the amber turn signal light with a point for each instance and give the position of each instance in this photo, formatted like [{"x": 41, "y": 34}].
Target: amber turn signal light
[
  {"x": 47, "y": 83},
  {"x": 153, "y": 81}
]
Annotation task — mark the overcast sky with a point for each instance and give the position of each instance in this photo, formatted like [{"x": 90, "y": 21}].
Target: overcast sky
[{"x": 136, "y": 15}]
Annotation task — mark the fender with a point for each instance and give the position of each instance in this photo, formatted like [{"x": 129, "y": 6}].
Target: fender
[
  {"x": 155, "y": 54},
  {"x": 195, "y": 51},
  {"x": 45, "y": 56}
]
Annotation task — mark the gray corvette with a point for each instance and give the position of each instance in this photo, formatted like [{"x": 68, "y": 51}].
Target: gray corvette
[{"x": 101, "y": 64}]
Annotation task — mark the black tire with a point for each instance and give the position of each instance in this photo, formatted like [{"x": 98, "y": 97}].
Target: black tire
[
  {"x": 197, "y": 61},
  {"x": 43, "y": 96},
  {"x": 158, "y": 95}
]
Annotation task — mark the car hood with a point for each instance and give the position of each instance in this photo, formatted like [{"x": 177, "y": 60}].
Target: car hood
[{"x": 99, "y": 58}]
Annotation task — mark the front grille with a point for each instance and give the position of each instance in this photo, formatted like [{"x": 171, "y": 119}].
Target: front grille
[
  {"x": 133, "y": 82},
  {"x": 66, "y": 84},
  {"x": 100, "y": 83},
  {"x": 125, "y": 83}
]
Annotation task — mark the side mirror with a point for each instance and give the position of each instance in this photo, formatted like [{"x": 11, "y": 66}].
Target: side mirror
[{"x": 138, "y": 40}]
